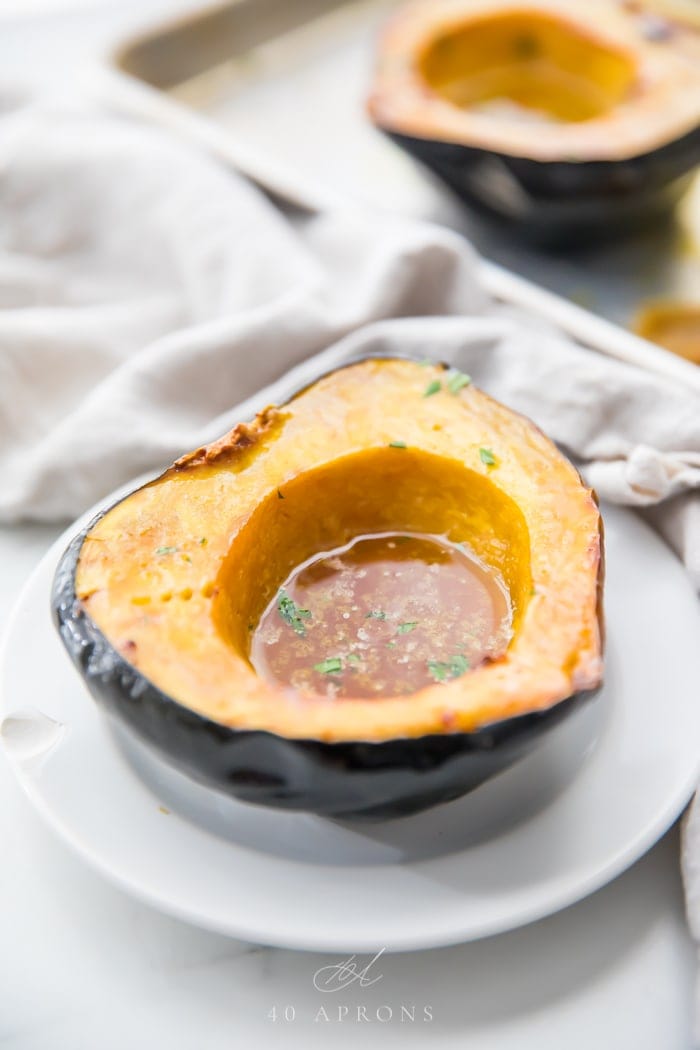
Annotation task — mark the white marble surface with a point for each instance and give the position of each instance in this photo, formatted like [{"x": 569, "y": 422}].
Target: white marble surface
[{"x": 82, "y": 967}]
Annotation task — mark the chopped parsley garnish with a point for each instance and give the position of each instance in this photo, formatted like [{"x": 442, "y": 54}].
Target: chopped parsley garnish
[
  {"x": 292, "y": 615},
  {"x": 404, "y": 628},
  {"x": 397, "y": 444},
  {"x": 166, "y": 550},
  {"x": 460, "y": 665},
  {"x": 438, "y": 670},
  {"x": 333, "y": 665},
  {"x": 444, "y": 670},
  {"x": 457, "y": 381},
  {"x": 353, "y": 658},
  {"x": 376, "y": 614},
  {"x": 186, "y": 557},
  {"x": 432, "y": 388},
  {"x": 391, "y": 645},
  {"x": 202, "y": 541},
  {"x": 279, "y": 495},
  {"x": 486, "y": 456}
]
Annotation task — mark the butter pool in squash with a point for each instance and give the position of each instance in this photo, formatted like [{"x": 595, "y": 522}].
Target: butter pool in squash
[{"x": 158, "y": 600}]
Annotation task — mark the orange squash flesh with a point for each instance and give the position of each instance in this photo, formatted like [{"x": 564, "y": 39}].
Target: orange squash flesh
[
  {"x": 675, "y": 326},
  {"x": 586, "y": 79},
  {"x": 176, "y": 574}
]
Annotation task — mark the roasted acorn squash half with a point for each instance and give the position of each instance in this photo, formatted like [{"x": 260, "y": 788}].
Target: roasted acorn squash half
[
  {"x": 580, "y": 117},
  {"x": 156, "y": 600}
]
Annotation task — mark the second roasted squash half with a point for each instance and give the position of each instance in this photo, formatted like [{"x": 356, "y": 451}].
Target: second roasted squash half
[
  {"x": 563, "y": 118},
  {"x": 159, "y": 599}
]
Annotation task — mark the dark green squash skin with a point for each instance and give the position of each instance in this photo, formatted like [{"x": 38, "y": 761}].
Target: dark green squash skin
[
  {"x": 357, "y": 779},
  {"x": 553, "y": 202}
]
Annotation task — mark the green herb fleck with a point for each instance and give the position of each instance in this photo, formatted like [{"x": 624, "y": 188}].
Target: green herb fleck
[
  {"x": 376, "y": 614},
  {"x": 354, "y": 658},
  {"x": 397, "y": 444},
  {"x": 426, "y": 362},
  {"x": 186, "y": 557},
  {"x": 166, "y": 550},
  {"x": 405, "y": 628},
  {"x": 438, "y": 670},
  {"x": 486, "y": 456},
  {"x": 202, "y": 541},
  {"x": 533, "y": 591},
  {"x": 292, "y": 615},
  {"x": 432, "y": 388},
  {"x": 333, "y": 665},
  {"x": 457, "y": 381},
  {"x": 391, "y": 645},
  {"x": 442, "y": 670},
  {"x": 459, "y": 665},
  {"x": 279, "y": 495},
  {"x": 251, "y": 626}
]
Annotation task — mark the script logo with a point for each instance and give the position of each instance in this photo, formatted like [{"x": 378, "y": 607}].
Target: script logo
[{"x": 337, "y": 976}]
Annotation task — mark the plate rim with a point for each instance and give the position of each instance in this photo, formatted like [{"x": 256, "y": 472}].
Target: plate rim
[{"x": 573, "y": 888}]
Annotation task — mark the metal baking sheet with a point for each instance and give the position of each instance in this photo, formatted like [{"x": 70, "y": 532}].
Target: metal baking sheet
[{"x": 285, "y": 81}]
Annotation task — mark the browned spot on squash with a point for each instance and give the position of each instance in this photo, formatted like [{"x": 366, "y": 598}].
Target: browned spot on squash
[{"x": 241, "y": 437}]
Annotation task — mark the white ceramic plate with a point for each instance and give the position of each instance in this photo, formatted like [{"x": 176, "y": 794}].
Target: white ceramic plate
[{"x": 598, "y": 793}]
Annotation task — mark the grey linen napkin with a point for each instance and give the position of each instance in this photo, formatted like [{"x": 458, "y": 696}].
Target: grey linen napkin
[{"x": 145, "y": 289}]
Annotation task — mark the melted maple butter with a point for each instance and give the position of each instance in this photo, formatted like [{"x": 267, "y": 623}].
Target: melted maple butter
[{"x": 385, "y": 615}]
